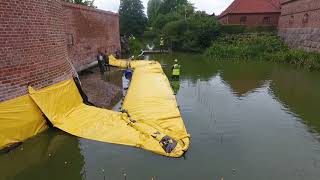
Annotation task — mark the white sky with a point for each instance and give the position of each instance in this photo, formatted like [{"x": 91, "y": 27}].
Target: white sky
[{"x": 210, "y": 6}]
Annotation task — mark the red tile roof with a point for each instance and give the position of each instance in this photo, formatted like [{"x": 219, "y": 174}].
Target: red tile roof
[{"x": 252, "y": 6}]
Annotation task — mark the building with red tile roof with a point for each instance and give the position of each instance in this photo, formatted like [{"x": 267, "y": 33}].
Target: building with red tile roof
[{"x": 252, "y": 13}]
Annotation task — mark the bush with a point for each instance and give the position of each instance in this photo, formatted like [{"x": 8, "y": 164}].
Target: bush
[
  {"x": 194, "y": 34},
  {"x": 261, "y": 46},
  {"x": 232, "y": 29},
  {"x": 162, "y": 20},
  {"x": 269, "y": 29},
  {"x": 135, "y": 46},
  {"x": 253, "y": 45},
  {"x": 149, "y": 35}
]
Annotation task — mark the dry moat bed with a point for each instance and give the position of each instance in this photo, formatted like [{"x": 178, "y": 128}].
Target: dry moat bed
[{"x": 103, "y": 90}]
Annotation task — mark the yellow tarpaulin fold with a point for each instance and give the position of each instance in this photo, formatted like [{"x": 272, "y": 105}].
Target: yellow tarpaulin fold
[{"x": 20, "y": 119}]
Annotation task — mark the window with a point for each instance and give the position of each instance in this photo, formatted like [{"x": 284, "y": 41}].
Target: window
[
  {"x": 291, "y": 20},
  {"x": 267, "y": 20},
  {"x": 70, "y": 41},
  {"x": 243, "y": 20},
  {"x": 305, "y": 19}
]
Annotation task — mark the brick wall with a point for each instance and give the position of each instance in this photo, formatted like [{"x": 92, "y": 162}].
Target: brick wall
[
  {"x": 253, "y": 20},
  {"x": 87, "y": 30},
  {"x": 39, "y": 37},
  {"x": 299, "y": 24},
  {"x": 32, "y": 46}
]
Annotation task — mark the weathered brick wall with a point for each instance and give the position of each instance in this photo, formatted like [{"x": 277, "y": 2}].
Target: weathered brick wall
[
  {"x": 32, "y": 46},
  {"x": 299, "y": 24},
  {"x": 253, "y": 20},
  {"x": 87, "y": 30}
]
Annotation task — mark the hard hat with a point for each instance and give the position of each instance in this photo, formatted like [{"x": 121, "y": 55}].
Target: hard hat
[{"x": 176, "y": 60}]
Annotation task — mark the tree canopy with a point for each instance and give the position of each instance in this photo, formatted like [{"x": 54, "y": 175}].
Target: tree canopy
[
  {"x": 153, "y": 9},
  {"x": 132, "y": 17},
  {"x": 82, "y": 2},
  {"x": 182, "y": 27}
]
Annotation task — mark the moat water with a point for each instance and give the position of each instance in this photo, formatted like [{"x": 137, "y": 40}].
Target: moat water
[{"x": 248, "y": 120}]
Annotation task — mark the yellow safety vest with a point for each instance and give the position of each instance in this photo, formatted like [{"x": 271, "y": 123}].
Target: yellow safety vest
[
  {"x": 176, "y": 70},
  {"x": 161, "y": 43}
]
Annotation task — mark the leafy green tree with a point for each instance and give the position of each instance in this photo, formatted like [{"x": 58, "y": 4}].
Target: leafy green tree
[
  {"x": 82, "y": 2},
  {"x": 132, "y": 17},
  {"x": 194, "y": 34},
  {"x": 153, "y": 9},
  {"x": 162, "y": 19},
  {"x": 168, "y": 6}
]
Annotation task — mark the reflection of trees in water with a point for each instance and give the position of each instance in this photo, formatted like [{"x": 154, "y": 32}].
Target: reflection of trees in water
[
  {"x": 244, "y": 77},
  {"x": 50, "y": 155},
  {"x": 300, "y": 92},
  {"x": 297, "y": 90},
  {"x": 193, "y": 66}
]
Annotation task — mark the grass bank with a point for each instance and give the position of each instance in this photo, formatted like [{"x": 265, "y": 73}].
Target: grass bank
[{"x": 261, "y": 46}]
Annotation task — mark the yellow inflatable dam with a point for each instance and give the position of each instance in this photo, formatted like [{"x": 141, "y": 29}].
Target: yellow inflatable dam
[{"x": 150, "y": 118}]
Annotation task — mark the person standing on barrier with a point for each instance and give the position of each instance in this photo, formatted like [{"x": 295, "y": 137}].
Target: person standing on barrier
[
  {"x": 106, "y": 61},
  {"x": 175, "y": 70},
  {"x": 101, "y": 64},
  {"x": 161, "y": 44}
]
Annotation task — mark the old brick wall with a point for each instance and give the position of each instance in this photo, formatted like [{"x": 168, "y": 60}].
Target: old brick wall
[
  {"x": 255, "y": 20},
  {"x": 32, "y": 46},
  {"x": 87, "y": 30},
  {"x": 299, "y": 24}
]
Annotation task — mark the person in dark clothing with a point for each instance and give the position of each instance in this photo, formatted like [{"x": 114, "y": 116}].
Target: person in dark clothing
[
  {"x": 118, "y": 54},
  {"x": 101, "y": 64},
  {"x": 106, "y": 61}
]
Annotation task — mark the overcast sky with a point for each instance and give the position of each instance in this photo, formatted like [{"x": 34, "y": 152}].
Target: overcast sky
[{"x": 210, "y": 6}]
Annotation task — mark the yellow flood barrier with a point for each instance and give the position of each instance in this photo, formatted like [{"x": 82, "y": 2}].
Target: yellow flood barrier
[
  {"x": 20, "y": 119},
  {"x": 150, "y": 119}
]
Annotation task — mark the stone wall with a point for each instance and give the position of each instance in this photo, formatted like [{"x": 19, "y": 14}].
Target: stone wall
[
  {"x": 32, "y": 46},
  {"x": 299, "y": 24},
  {"x": 87, "y": 30}
]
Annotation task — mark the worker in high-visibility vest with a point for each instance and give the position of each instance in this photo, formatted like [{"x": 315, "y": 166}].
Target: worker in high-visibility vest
[
  {"x": 175, "y": 70},
  {"x": 161, "y": 44}
]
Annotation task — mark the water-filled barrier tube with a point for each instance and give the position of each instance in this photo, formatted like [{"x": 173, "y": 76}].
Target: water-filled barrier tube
[{"x": 150, "y": 118}]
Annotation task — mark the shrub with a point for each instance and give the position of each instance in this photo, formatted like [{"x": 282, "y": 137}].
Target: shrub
[
  {"x": 135, "y": 46},
  {"x": 232, "y": 29},
  {"x": 261, "y": 46},
  {"x": 194, "y": 34}
]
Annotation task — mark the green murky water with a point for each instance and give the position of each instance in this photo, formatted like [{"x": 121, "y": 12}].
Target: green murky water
[{"x": 248, "y": 120}]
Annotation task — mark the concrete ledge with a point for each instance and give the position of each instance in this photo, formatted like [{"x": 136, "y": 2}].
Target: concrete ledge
[{"x": 87, "y": 66}]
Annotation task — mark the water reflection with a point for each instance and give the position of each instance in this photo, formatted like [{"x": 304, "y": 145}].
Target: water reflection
[
  {"x": 299, "y": 91},
  {"x": 51, "y": 155},
  {"x": 175, "y": 84}
]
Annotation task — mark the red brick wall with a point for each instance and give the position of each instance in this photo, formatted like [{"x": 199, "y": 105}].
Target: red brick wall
[
  {"x": 297, "y": 10},
  {"x": 32, "y": 46},
  {"x": 90, "y": 29},
  {"x": 253, "y": 20},
  {"x": 294, "y": 28}
]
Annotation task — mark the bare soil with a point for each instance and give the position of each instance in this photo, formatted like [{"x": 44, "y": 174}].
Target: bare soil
[{"x": 103, "y": 90}]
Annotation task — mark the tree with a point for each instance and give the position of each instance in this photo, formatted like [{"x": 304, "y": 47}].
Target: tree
[
  {"x": 132, "y": 18},
  {"x": 195, "y": 34},
  {"x": 82, "y": 2},
  {"x": 153, "y": 9},
  {"x": 169, "y": 6}
]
